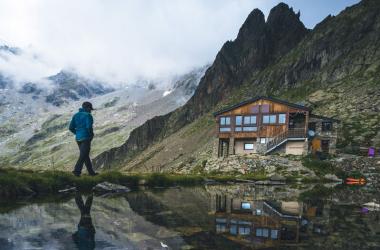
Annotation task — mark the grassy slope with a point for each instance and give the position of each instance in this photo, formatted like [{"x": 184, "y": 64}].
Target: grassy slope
[{"x": 189, "y": 146}]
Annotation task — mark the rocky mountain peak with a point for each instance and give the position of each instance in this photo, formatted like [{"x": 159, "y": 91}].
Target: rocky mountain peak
[
  {"x": 257, "y": 45},
  {"x": 282, "y": 16},
  {"x": 253, "y": 25},
  {"x": 285, "y": 28}
]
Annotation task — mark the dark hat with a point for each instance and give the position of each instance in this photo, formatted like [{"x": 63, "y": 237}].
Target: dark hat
[{"x": 87, "y": 105}]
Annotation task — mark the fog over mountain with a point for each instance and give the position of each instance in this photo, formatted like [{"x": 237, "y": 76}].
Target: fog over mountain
[{"x": 121, "y": 42}]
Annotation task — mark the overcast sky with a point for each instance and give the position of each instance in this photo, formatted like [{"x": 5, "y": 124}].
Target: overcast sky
[{"x": 122, "y": 40}]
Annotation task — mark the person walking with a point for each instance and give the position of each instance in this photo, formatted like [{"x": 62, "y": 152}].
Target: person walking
[{"x": 81, "y": 127}]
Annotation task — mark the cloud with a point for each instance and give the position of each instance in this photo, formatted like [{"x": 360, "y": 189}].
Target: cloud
[
  {"x": 25, "y": 67},
  {"x": 119, "y": 40}
]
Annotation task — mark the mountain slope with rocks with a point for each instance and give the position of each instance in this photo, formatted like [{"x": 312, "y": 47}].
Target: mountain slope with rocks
[
  {"x": 34, "y": 133},
  {"x": 333, "y": 68},
  {"x": 69, "y": 86}
]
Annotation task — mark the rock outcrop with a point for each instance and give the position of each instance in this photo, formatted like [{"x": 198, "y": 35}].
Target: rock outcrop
[
  {"x": 107, "y": 188},
  {"x": 268, "y": 165}
]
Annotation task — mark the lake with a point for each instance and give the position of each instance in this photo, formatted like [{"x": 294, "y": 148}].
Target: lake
[{"x": 235, "y": 216}]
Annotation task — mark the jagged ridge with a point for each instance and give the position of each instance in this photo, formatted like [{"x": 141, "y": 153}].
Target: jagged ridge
[{"x": 256, "y": 46}]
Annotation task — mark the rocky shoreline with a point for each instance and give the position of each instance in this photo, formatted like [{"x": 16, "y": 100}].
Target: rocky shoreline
[{"x": 297, "y": 167}]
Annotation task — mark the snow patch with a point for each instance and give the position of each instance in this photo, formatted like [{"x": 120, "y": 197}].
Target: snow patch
[{"x": 167, "y": 92}]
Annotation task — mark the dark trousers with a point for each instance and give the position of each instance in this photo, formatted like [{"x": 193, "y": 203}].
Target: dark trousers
[
  {"x": 84, "y": 157},
  {"x": 84, "y": 237}
]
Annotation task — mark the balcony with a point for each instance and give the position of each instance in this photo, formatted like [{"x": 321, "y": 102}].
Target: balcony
[{"x": 297, "y": 133}]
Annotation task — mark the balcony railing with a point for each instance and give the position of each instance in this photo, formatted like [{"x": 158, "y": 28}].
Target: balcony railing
[
  {"x": 281, "y": 138},
  {"x": 296, "y": 133},
  {"x": 290, "y": 133}
]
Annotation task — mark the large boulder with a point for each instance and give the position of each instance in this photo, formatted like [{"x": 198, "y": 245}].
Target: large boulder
[
  {"x": 277, "y": 177},
  {"x": 107, "y": 187},
  {"x": 332, "y": 177}
]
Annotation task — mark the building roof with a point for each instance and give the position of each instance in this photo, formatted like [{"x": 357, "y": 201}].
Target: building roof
[{"x": 259, "y": 98}]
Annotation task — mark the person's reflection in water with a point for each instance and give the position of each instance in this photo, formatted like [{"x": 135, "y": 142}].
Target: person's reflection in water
[{"x": 84, "y": 237}]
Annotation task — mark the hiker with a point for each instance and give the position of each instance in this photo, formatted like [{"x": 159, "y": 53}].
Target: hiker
[
  {"x": 81, "y": 126},
  {"x": 84, "y": 237}
]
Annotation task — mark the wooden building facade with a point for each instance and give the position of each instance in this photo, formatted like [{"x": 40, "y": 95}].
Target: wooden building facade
[
  {"x": 264, "y": 124},
  {"x": 257, "y": 223}
]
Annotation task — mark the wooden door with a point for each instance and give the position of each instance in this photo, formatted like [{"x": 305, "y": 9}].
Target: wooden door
[{"x": 316, "y": 145}]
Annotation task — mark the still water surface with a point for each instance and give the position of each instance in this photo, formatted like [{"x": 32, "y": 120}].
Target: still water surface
[{"x": 202, "y": 217}]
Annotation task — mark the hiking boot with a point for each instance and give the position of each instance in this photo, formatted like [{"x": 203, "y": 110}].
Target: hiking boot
[
  {"x": 75, "y": 173},
  {"x": 94, "y": 174}
]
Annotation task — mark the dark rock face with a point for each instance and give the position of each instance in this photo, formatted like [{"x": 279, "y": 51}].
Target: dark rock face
[
  {"x": 11, "y": 50},
  {"x": 258, "y": 45},
  {"x": 4, "y": 82},
  {"x": 340, "y": 46},
  {"x": 70, "y": 86},
  {"x": 30, "y": 88}
]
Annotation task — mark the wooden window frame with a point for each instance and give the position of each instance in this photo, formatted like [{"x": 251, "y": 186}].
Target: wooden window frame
[
  {"x": 242, "y": 121},
  {"x": 253, "y": 111},
  {"x": 245, "y": 209},
  {"x": 249, "y": 115},
  {"x": 277, "y": 115},
  {"x": 226, "y": 131},
  {"x": 244, "y": 129},
  {"x": 237, "y": 228},
  {"x": 253, "y": 146},
  {"x": 244, "y": 227},
  {"x": 270, "y": 123},
  {"x": 261, "y": 108},
  {"x": 278, "y": 118},
  {"x": 262, "y": 229},
  {"x": 278, "y": 234},
  {"x": 224, "y": 125},
  {"x": 323, "y": 128}
]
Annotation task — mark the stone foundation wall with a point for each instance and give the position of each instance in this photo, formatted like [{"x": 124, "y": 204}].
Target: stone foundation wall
[
  {"x": 295, "y": 148},
  {"x": 231, "y": 146},
  {"x": 253, "y": 163}
]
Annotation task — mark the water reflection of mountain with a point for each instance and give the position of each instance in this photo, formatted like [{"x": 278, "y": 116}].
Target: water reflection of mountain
[
  {"x": 185, "y": 210},
  {"x": 210, "y": 217}
]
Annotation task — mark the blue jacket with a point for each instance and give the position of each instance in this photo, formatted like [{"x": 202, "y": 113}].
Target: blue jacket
[{"x": 81, "y": 125}]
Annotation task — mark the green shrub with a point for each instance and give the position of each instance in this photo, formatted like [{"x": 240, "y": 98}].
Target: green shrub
[
  {"x": 320, "y": 167},
  {"x": 318, "y": 192}
]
